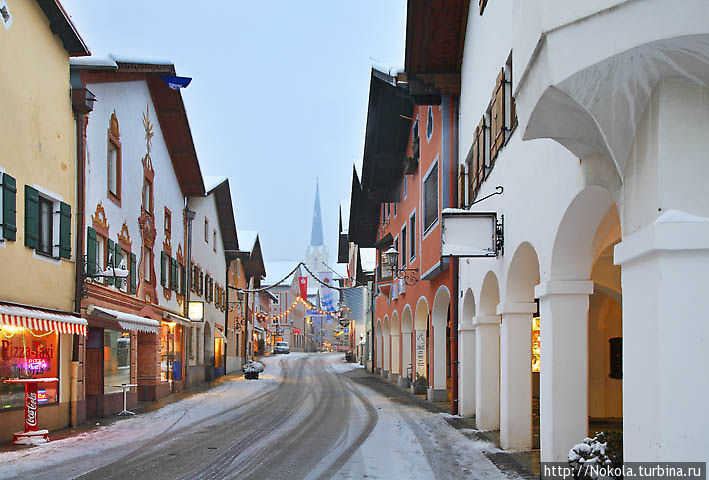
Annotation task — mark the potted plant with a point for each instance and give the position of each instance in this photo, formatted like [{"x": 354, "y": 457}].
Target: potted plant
[{"x": 420, "y": 384}]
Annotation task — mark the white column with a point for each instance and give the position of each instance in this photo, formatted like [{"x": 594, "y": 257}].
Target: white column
[
  {"x": 437, "y": 392},
  {"x": 466, "y": 370},
  {"x": 666, "y": 339},
  {"x": 386, "y": 351},
  {"x": 405, "y": 353},
  {"x": 563, "y": 380},
  {"x": 487, "y": 375},
  {"x": 516, "y": 375}
]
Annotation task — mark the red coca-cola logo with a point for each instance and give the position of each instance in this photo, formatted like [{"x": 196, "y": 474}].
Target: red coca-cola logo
[{"x": 31, "y": 403}]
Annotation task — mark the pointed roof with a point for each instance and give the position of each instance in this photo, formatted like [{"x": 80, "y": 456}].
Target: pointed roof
[{"x": 316, "y": 236}]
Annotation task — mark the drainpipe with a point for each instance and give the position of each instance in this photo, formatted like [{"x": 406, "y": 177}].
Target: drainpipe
[
  {"x": 189, "y": 215},
  {"x": 454, "y": 339},
  {"x": 82, "y": 101},
  {"x": 371, "y": 308}
]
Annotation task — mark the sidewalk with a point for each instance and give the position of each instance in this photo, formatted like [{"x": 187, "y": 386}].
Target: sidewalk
[
  {"x": 523, "y": 464},
  {"x": 95, "y": 424}
]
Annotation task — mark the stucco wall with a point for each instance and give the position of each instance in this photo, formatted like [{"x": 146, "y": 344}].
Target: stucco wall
[{"x": 37, "y": 138}]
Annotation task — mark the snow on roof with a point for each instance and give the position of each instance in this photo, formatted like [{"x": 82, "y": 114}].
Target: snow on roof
[
  {"x": 93, "y": 61},
  {"x": 276, "y": 270},
  {"x": 247, "y": 239},
  {"x": 140, "y": 60},
  {"x": 368, "y": 257},
  {"x": 212, "y": 182}
]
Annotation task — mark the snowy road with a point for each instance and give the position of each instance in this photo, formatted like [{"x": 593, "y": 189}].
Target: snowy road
[{"x": 303, "y": 419}]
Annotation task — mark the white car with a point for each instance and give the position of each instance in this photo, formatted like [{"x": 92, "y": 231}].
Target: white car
[{"x": 281, "y": 347}]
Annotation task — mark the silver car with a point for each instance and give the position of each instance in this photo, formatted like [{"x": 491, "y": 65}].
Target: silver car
[{"x": 281, "y": 347}]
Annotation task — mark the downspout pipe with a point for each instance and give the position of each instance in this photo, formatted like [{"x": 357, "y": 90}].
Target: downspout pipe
[
  {"x": 189, "y": 216},
  {"x": 454, "y": 339}
]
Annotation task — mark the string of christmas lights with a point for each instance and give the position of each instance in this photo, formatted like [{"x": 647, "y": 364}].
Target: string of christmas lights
[{"x": 307, "y": 304}]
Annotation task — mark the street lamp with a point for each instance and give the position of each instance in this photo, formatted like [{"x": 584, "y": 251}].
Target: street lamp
[{"x": 408, "y": 274}]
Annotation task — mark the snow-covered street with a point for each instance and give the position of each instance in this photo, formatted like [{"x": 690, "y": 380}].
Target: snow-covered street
[{"x": 304, "y": 418}]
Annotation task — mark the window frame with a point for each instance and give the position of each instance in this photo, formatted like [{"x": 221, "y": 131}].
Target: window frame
[
  {"x": 206, "y": 230},
  {"x": 430, "y": 121},
  {"x": 413, "y": 243},
  {"x": 404, "y": 244},
  {"x": 117, "y": 170},
  {"x": 147, "y": 271},
  {"x": 434, "y": 167},
  {"x": 43, "y": 200}
]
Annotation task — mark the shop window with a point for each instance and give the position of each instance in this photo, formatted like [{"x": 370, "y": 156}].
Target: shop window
[
  {"x": 116, "y": 360},
  {"x": 170, "y": 351},
  {"x": 27, "y": 354},
  {"x": 430, "y": 198}
]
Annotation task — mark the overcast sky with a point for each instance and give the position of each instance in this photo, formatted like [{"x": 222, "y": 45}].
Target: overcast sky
[{"x": 278, "y": 96}]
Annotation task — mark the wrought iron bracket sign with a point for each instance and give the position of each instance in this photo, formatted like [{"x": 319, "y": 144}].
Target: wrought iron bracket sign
[
  {"x": 472, "y": 234},
  {"x": 119, "y": 275}
]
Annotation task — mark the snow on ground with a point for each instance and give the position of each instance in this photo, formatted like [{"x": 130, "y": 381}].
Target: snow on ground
[
  {"x": 339, "y": 365},
  {"x": 410, "y": 442},
  {"x": 118, "y": 438}
]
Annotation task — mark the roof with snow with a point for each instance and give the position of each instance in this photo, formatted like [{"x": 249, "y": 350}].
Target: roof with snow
[{"x": 62, "y": 26}]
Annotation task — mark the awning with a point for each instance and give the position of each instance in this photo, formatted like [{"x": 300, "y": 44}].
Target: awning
[
  {"x": 43, "y": 320},
  {"x": 127, "y": 321},
  {"x": 180, "y": 320}
]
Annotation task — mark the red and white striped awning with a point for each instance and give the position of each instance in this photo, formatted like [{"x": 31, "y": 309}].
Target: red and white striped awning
[{"x": 41, "y": 320}]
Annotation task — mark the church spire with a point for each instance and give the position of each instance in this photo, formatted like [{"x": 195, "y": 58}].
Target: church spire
[{"x": 316, "y": 236}]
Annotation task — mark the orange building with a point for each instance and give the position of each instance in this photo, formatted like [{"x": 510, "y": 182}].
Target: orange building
[{"x": 409, "y": 175}]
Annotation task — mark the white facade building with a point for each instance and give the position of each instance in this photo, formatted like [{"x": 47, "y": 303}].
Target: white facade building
[{"x": 606, "y": 224}]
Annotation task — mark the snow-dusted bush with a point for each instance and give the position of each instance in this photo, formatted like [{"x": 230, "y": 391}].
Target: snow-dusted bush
[{"x": 603, "y": 450}]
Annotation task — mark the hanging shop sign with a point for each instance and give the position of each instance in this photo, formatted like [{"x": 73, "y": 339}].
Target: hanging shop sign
[{"x": 471, "y": 234}]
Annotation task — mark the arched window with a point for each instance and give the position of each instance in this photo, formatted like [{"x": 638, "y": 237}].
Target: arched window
[{"x": 429, "y": 124}]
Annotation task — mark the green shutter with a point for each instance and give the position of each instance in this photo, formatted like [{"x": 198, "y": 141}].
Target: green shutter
[
  {"x": 64, "y": 230},
  {"x": 117, "y": 261},
  {"x": 31, "y": 217},
  {"x": 183, "y": 280},
  {"x": 132, "y": 273},
  {"x": 163, "y": 269},
  {"x": 110, "y": 255},
  {"x": 9, "y": 222},
  {"x": 174, "y": 275},
  {"x": 90, "y": 251}
]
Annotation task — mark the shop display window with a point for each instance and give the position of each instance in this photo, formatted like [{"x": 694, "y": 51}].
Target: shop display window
[
  {"x": 170, "y": 351},
  {"x": 116, "y": 360},
  {"x": 26, "y": 353}
]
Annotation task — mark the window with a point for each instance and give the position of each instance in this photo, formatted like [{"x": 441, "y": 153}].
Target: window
[
  {"x": 404, "y": 185},
  {"x": 29, "y": 354},
  {"x": 412, "y": 236},
  {"x": 429, "y": 124},
  {"x": 395, "y": 209},
  {"x": 113, "y": 160},
  {"x": 116, "y": 360},
  {"x": 206, "y": 230},
  {"x": 430, "y": 198},
  {"x": 403, "y": 247},
  {"x": 214, "y": 239},
  {"x": 277, "y": 299},
  {"x": 46, "y": 224},
  {"x": 168, "y": 222},
  {"x": 124, "y": 262},
  {"x": 147, "y": 264},
  {"x": 147, "y": 196}
]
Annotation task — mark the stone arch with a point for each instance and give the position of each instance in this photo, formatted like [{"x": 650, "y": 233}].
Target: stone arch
[
  {"x": 395, "y": 343},
  {"x": 439, "y": 321},
  {"x": 573, "y": 254},
  {"x": 407, "y": 328},
  {"x": 421, "y": 338},
  {"x": 522, "y": 274},
  {"x": 466, "y": 356},
  {"x": 487, "y": 355}
]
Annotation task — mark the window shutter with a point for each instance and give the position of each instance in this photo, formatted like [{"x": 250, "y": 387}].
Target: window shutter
[
  {"x": 431, "y": 198},
  {"x": 9, "y": 211},
  {"x": 183, "y": 278},
  {"x": 163, "y": 269},
  {"x": 117, "y": 255},
  {"x": 111, "y": 259},
  {"x": 174, "y": 275},
  {"x": 64, "y": 230},
  {"x": 132, "y": 273},
  {"x": 31, "y": 217},
  {"x": 90, "y": 251},
  {"x": 497, "y": 117}
]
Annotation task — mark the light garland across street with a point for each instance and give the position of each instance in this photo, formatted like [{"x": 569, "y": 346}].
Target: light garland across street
[{"x": 306, "y": 303}]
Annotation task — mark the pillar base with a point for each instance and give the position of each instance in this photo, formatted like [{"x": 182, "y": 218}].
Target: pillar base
[
  {"x": 385, "y": 373},
  {"x": 436, "y": 395},
  {"x": 403, "y": 382},
  {"x": 393, "y": 377}
]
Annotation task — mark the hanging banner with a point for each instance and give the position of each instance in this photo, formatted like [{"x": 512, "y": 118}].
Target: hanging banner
[
  {"x": 421, "y": 353},
  {"x": 327, "y": 295},
  {"x": 303, "y": 284}
]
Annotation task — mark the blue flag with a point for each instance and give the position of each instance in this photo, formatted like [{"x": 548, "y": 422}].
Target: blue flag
[{"x": 176, "y": 83}]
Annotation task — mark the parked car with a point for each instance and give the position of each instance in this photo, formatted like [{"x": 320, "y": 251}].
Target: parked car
[{"x": 281, "y": 347}]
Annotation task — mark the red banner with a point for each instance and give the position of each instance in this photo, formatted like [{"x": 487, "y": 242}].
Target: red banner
[{"x": 303, "y": 283}]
